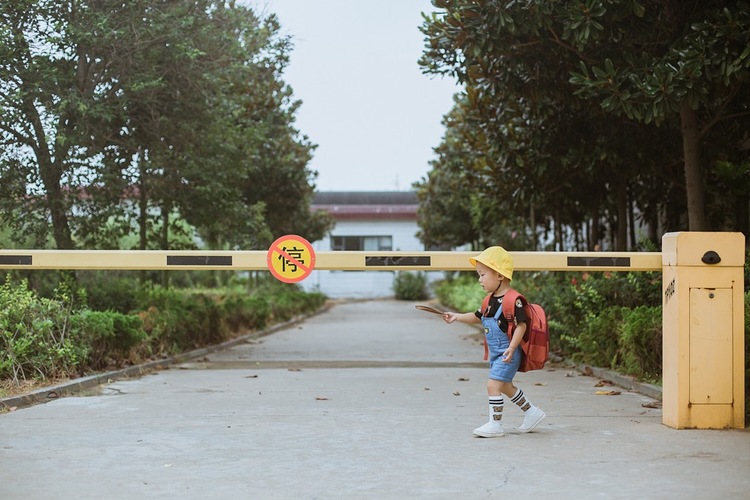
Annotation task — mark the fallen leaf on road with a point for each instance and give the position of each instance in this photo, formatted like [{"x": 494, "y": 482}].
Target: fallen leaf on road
[
  {"x": 456, "y": 393},
  {"x": 540, "y": 383},
  {"x": 607, "y": 393},
  {"x": 321, "y": 398},
  {"x": 654, "y": 404},
  {"x": 252, "y": 376},
  {"x": 462, "y": 379},
  {"x": 602, "y": 383},
  {"x": 295, "y": 369}
]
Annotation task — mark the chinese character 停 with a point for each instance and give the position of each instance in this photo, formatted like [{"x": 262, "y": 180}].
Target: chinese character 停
[{"x": 296, "y": 254}]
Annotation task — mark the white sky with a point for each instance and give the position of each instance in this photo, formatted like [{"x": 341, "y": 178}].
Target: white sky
[{"x": 365, "y": 102}]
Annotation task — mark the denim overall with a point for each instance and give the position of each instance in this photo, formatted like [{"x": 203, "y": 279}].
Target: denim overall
[{"x": 497, "y": 342}]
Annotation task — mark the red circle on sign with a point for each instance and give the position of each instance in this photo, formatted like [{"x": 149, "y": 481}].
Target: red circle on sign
[{"x": 291, "y": 258}]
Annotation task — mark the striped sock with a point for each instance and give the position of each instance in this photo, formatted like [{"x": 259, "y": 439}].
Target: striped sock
[
  {"x": 496, "y": 408},
  {"x": 520, "y": 400}
]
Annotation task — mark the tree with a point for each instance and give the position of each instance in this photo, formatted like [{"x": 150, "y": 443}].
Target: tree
[
  {"x": 41, "y": 101},
  {"x": 687, "y": 62},
  {"x": 138, "y": 113},
  {"x": 445, "y": 196},
  {"x": 521, "y": 64},
  {"x": 536, "y": 152}
]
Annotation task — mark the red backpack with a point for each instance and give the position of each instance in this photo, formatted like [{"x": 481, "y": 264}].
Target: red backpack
[{"x": 535, "y": 343}]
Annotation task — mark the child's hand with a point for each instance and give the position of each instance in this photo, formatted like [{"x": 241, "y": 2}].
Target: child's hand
[
  {"x": 508, "y": 355},
  {"x": 449, "y": 317}
]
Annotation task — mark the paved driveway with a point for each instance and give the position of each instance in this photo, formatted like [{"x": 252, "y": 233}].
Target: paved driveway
[{"x": 368, "y": 400}]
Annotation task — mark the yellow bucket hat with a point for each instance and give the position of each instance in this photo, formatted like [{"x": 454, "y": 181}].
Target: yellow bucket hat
[{"x": 497, "y": 259}]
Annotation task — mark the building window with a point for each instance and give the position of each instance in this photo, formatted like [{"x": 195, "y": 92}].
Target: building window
[{"x": 358, "y": 243}]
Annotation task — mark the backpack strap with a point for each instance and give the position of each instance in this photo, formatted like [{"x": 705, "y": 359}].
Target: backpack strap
[
  {"x": 509, "y": 309},
  {"x": 485, "y": 310},
  {"x": 486, "y": 304}
]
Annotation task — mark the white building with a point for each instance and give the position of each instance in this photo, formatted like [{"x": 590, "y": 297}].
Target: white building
[{"x": 365, "y": 221}]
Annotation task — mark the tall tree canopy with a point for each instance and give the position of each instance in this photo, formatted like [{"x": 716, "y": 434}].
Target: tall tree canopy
[
  {"x": 589, "y": 111},
  {"x": 116, "y": 115}
]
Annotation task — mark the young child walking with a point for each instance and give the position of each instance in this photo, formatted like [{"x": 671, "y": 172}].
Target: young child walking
[{"x": 495, "y": 269}]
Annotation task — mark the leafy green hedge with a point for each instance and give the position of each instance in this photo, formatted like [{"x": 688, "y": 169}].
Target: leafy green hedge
[
  {"x": 64, "y": 337},
  {"x": 410, "y": 286}
]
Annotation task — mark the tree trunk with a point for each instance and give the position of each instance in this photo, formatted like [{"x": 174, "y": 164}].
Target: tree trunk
[
  {"x": 142, "y": 202},
  {"x": 558, "y": 230},
  {"x": 532, "y": 224},
  {"x": 653, "y": 225},
  {"x": 57, "y": 206},
  {"x": 595, "y": 228},
  {"x": 695, "y": 190},
  {"x": 50, "y": 172},
  {"x": 622, "y": 218},
  {"x": 631, "y": 223},
  {"x": 166, "y": 208}
]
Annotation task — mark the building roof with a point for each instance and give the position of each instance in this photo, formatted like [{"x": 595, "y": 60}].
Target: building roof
[{"x": 367, "y": 205}]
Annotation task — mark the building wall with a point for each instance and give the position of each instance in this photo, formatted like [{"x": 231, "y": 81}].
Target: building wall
[{"x": 363, "y": 284}]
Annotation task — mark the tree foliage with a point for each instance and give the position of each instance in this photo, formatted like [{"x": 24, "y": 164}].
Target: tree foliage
[
  {"x": 136, "y": 117},
  {"x": 580, "y": 115}
]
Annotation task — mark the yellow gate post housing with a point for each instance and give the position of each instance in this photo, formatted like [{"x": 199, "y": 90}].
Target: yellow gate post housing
[{"x": 703, "y": 330}]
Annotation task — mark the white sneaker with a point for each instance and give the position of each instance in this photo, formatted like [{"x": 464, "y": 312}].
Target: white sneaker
[
  {"x": 490, "y": 430},
  {"x": 531, "y": 419}
]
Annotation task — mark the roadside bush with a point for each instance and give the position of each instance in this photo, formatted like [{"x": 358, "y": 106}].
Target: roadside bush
[
  {"x": 282, "y": 307},
  {"x": 460, "y": 292},
  {"x": 178, "y": 320},
  {"x": 576, "y": 300},
  {"x": 119, "y": 294},
  {"x": 640, "y": 338},
  {"x": 289, "y": 302},
  {"x": 596, "y": 342},
  {"x": 553, "y": 291},
  {"x": 245, "y": 312},
  {"x": 410, "y": 286},
  {"x": 106, "y": 336},
  {"x": 34, "y": 339},
  {"x": 61, "y": 337},
  {"x": 310, "y": 301}
]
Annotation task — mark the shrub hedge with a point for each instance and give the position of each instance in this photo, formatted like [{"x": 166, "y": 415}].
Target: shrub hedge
[
  {"x": 410, "y": 286},
  {"x": 65, "y": 336}
]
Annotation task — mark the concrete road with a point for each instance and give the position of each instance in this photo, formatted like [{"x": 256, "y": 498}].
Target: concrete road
[{"x": 368, "y": 400}]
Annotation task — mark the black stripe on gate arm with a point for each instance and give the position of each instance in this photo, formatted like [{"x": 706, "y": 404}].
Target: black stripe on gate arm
[
  {"x": 598, "y": 261},
  {"x": 199, "y": 260},
  {"x": 403, "y": 261},
  {"x": 15, "y": 260}
]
